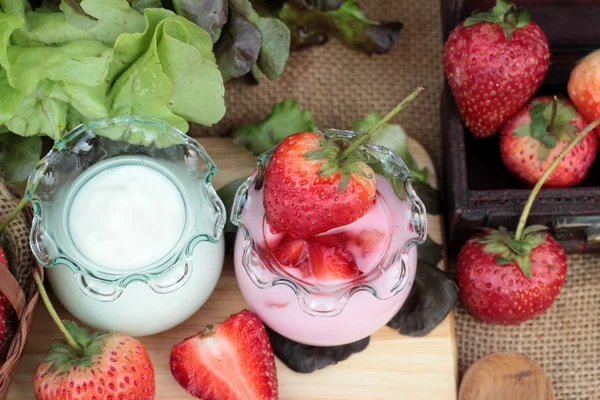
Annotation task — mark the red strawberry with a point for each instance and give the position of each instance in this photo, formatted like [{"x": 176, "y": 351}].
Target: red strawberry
[
  {"x": 502, "y": 291},
  {"x": 306, "y": 192},
  {"x": 584, "y": 86},
  {"x": 3, "y": 301},
  {"x": 339, "y": 239},
  {"x": 289, "y": 251},
  {"x": 231, "y": 361},
  {"x": 111, "y": 366},
  {"x": 494, "y": 62},
  {"x": 331, "y": 263},
  {"x": 368, "y": 240},
  {"x": 535, "y": 136},
  {"x": 508, "y": 278}
]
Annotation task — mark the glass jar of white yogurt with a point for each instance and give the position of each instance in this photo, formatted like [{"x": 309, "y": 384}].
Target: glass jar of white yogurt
[{"x": 128, "y": 225}]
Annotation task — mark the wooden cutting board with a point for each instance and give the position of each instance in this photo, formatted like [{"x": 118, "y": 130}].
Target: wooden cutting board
[{"x": 392, "y": 367}]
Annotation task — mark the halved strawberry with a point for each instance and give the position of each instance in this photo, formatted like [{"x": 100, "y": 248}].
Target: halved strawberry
[
  {"x": 329, "y": 262},
  {"x": 233, "y": 361},
  {"x": 289, "y": 251},
  {"x": 339, "y": 239},
  {"x": 368, "y": 240}
]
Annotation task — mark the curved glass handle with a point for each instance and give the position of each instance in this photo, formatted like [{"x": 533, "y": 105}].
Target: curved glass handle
[
  {"x": 41, "y": 244},
  {"x": 321, "y": 305},
  {"x": 253, "y": 265},
  {"x": 174, "y": 278},
  {"x": 97, "y": 289}
]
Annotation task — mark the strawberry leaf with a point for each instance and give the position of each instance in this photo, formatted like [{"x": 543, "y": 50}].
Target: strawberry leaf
[
  {"x": 538, "y": 128},
  {"x": 549, "y": 141},
  {"x": 523, "y": 130},
  {"x": 534, "y": 229},
  {"x": 320, "y": 154},
  {"x": 566, "y": 132},
  {"x": 524, "y": 264},
  {"x": 354, "y": 168},
  {"x": 565, "y": 114},
  {"x": 79, "y": 333},
  {"x": 344, "y": 180},
  {"x": 502, "y": 261},
  {"x": 543, "y": 153},
  {"x": 537, "y": 110},
  {"x": 328, "y": 168},
  {"x": 524, "y": 18}
]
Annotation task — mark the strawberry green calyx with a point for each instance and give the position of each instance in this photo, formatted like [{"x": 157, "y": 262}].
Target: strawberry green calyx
[
  {"x": 505, "y": 14},
  {"x": 345, "y": 156},
  {"x": 80, "y": 345},
  {"x": 550, "y": 123},
  {"x": 508, "y": 250},
  {"x": 538, "y": 186},
  {"x": 63, "y": 356},
  {"x": 517, "y": 247}
]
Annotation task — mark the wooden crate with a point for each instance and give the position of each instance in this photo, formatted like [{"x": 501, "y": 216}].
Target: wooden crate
[{"x": 480, "y": 192}]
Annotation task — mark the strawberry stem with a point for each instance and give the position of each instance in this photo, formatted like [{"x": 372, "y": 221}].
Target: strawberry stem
[
  {"x": 53, "y": 313},
  {"x": 13, "y": 214},
  {"x": 553, "y": 116},
  {"x": 546, "y": 174},
  {"x": 364, "y": 138}
]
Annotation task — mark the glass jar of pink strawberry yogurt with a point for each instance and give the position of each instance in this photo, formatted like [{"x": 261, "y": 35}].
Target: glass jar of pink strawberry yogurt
[{"x": 339, "y": 286}]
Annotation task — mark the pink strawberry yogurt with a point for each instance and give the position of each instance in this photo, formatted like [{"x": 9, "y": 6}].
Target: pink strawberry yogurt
[{"x": 297, "y": 303}]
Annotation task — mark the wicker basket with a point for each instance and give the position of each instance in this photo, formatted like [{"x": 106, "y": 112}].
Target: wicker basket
[{"x": 17, "y": 285}]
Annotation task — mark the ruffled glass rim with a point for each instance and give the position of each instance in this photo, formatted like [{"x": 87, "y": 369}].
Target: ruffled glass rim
[
  {"x": 180, "y": 252},
  {"x": 303, "y": 289}
]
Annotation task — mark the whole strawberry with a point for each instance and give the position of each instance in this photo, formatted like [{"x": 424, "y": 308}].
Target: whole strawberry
[
  {"x": 536, "y": 135},
  {"x": 584, "y": 86},
  {"x": 99, "y": 365},
  {"x": 308, "y": 192},
  {"x": 514, "y": 289},
  {"x": 315, "y": 183},
  {"x": 231, "y": 361},
  {"x": 510, "y": 277},
  {"x": 494, "y": 62},
  {"x": 3, "y": 301}
]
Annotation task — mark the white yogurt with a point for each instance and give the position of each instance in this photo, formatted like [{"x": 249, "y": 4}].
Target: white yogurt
[
  {"x": 127, "y": 217},
  {"x": 121, "y": 221}
]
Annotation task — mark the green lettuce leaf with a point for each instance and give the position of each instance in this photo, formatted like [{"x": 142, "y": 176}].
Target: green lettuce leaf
[
  {"x": 141, "y": 5},
  {"x": 285, "y": 119},
  {"x": 76, "y": 15},
  {"x": 15, "y": 7},
  {"x": 42, "y": 112},
  {"x": 312, "y": 23},
  {"x": 80, "y": 62},
  {"x": 10, "y": 98},
  {"x": 88, "y": 101},
  {"x": 177, "y": 74},
  {"x": 52, "y": 28},
  {"x": 55, "y": 75},
  {"x": 210, "y": 15},
  {"x": 393, "y": 137},
  {"x": 275, "y": 46},
  {"x": 18, "y": 157}
]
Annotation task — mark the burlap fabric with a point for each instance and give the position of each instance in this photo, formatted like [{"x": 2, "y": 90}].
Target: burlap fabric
[{"x": 340, "y": 85}]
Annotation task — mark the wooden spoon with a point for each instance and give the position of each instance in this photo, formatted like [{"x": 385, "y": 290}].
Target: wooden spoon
[{"x": 510, "y": 376}]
